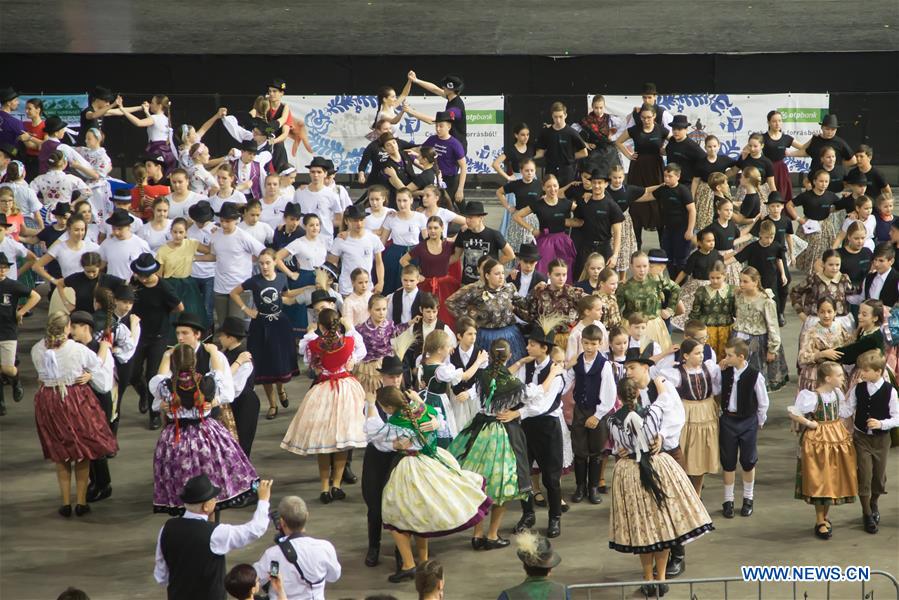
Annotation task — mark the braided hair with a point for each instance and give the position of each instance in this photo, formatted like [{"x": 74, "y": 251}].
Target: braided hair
[{"x": 56, "y": 330}]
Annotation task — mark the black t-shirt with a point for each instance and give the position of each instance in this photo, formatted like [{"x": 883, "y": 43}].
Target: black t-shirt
[
  {"x": 837, "y": 174},
  {"x": 88, "y": 124},
  {"x": 816, "y": 207},
  {"x": 699, "y": 264},
  {"x": 673, "y": 202},
  {"x": 648, "y": 143},
  {"x": 577, "y": 193},
  {"x": 514, "y": 158},
  {"x": 764, "y": 258},
  {"x": 775, "y": 150},
  {"x": 49, "y": 235},
  {"x": 724, "y": 236},
  {"x": 425, "y": 178},
  {"x": 11, "y": 291},
  {"x": 703, "y": 168},
  {"x": 459, "y": 130},
  {"x": 475, "y": 245},
  {"x": 751, "y": 205},
  {"x": 876, "y": 181},
  {"x": 817, "y": 144},
  {"x": 765, "y": 166},
  {"x": 624, "y": 195},
  {"x": 686, "y": 154},
  {"x": 857, "y": 265},
  {"x": 526, "y": 194},
  {"x": 782, "y": 228},
  {"x": 84, "y": 288},
  {"x": 153, "y": 305},
  {"x": 552, "y": 218},
  {"x": 598, "y": 217},
  {"x": 560, "y": 146}
]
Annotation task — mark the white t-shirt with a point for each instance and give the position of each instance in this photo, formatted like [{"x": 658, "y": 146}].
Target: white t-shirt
[
  {"x": 156, "y": 238},
  {"x": 262, "y": 232},
  {"x": 70, "y": 260},
  {"x": 13, "y": 250},
  {"x": 179, "y": 209},
  {"x": 325, "y": 203},
  {"x": 234, "y": 254},
  {"x": 446, "y": 216},
  {"x": 201, "y": 269},
  {"x": 870, "y": 223},
  {"x": 406, "y": 232},
  {"x": 273, "y": 213},
  {"x": 374, "y": 222},
  {"x": 307, "y": 253},
  {"x": 355, "y": 253},
  {"x": 159, "y": 130},
  {"x": 118, "y": 254},
  {"x": 216, "y": 201},
  {"x": 342, "y": 195}
]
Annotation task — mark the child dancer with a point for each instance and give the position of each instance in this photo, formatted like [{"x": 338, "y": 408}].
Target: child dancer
[
  {"x": 713, "y": 305},
  {"x": 558, "y": 297},
  {"x": 403, "y": 229},
  {"x": 826, "y": 466},
  {"x": 885, "y": 218},
  {"x": 768, "y": 258},
  {"x": 816, "y": 227},
  {"x": 816, "y": 339},
  {"x": 707, "y": 179},
  {"x": 855, "y": 261},
  {"x": 608, "y": 285},
  {"x": 755, "y": 322},
  {"x": 750, "y": 206},
  {"x": 699, "y": 264},
  {"x": 377, "y": 333},
  {"x": 828, "y": 283},
  {"x": 355, "y": 306},
  {"x": 642, "y": 294},
  {"x": 589, "y": 278},
  {"x": 727, "y": 236},
  {"x": 463, "y": 356}
]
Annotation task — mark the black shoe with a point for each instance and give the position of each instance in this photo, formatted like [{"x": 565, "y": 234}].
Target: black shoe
[
  {"x": 285, "y": 401},
  {"x": 325, "y": 498},
  {"x": 728, "y": 509},
  {"x": 155, "y": 422},
  {"x": 875, "y": 513},
  {"x": 400, "y": 576},
  {"x": 477, "y": 543},
  {"x": 663, "y": 589},
  {"x": 827, "y": 532},
  {"x": 675, "y": 566},
  {"x": 565, "y": 508},
  {"x": 554, "y": 528},
  {"x": 579, "y": 492},
  {"x": 594, "y": 496},
  {"x": 649, "y": 590},
  {"x": 781, "y": 321},
  {"x": 98, "y": 495},
  {"x": 870, "y": 524},
  {"x": 337, "y": 493},
  {"x": 527, "y": 521},
  {"x": 82, "y": 509},
  {"x": 143, "y": 404},
  {"x": 542, "y": 501},
  {"x": 65, "y": 510},
  {"x": 746, "y": 509},
  {"x": 371, "y": 557},
  {"x": 499, "y": 542},
  {"x": 18, "y": 392},
  {"x": 348, "y": 476}
]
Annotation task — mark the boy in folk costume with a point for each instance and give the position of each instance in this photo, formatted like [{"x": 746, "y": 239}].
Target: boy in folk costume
[{"x": 249, "y": 168}]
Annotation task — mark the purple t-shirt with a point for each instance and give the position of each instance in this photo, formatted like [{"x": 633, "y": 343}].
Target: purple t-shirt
[
  {"x": 10, "y": 128},
  {"x": 448, "y": 152}
]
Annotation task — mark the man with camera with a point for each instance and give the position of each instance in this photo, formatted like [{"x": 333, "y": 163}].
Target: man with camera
[{"x": 303, "y": 564}]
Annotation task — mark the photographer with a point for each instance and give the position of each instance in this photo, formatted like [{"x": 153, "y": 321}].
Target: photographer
[
  {"x": 302, "y": 563},
  {"x": 241, "y": 582}
]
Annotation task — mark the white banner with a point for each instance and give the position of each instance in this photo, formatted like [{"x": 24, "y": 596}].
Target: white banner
[
  {"x": 337, "y": 127},
  {"x": 733, "y": 117}
]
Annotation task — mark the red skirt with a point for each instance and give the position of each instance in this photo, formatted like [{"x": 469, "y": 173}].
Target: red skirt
[
  {"x": 443, "y": 288},
  {"x": 782, "y": 180},
  {"x": 73, "y": 428}
]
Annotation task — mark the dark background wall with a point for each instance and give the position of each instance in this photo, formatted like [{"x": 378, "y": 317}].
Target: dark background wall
[{"x": 863, "y": 87}]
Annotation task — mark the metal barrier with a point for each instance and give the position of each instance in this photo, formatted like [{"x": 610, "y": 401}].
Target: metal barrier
[{"x": 623, "y": 586}]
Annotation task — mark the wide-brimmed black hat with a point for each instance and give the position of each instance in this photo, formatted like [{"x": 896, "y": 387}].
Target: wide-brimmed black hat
[
  {"x": 124, "y": 292},
  {"x": 249, "y": 146},
  {"x": 830, "y": 120},
  {"x": 4, "y": 260},
  {"x": 103, "y": 93},
  {"x": 52, "y": 124},
  {"x": 601, "y": 174},
  {"x": 444, "y": 116},
  {"x": 855, "y": 177},
  {"x": 82, "y": 317},
  {"x": 201, "y": 211},
  {"x": 540, "y": 337},
  {"x": 199, "y": 489},
  {"x": 634, "y": 355},
  {"x": 318, "y": 161},
  {"x": 474, "y": 209},
  {"x": 391, "y": 365},
  {"x": 658, "y": 256},
  {"x": 61, "y": 209},
  {"x": 679, "y": 122},
  {"x": 120, "y": 218},
  {"x": 452, "y": 82},
  {"x": 330, "y": 166},
  {"x": 293, "y": 210},
  {"x": 528, "y": 252},
  {"x": 320, "y": 296},
  {"x": 774, "y": 198},
  {"x": 145, "y": 264},
  {"x": 542, "y": 557},
  {"x": 7, "y": 94},
  {"x": 9, "y": 150},
  {"x": 332, "y": 270},
  {"x": 234, "y": 326},
  {"x": 649, "y": 88},
  {"x": 192, "y": 320},
  {"x": 229, "y": 211},
  {"x": 354, "y": 213}
]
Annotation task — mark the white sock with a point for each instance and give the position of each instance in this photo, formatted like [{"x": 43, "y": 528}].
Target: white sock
[
  {"x": 747, "y": 489},
  {"x": 728, "y": 492}
]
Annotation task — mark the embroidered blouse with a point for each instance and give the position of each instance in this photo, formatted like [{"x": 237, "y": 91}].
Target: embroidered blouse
[
  {"x": 805, "y": 296},
  {"x": 757, "y": 316},
  {"x": 562, "y": 301},
  {"x": 490, "y": 308},
  {"x": 610, "y": 315},
  {"x": 807, "y": 403},
  {"x": 377, "y": 337},
  {"x": 818, "y": 338},
  {"x": 646, "y": 296},
  {"x": 715, "y": 308}
]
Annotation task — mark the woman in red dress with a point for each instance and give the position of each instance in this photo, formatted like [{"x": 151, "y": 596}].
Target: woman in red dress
[{"x": 433, "y": 257}]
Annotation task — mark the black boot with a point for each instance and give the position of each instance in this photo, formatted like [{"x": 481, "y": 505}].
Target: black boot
[
  {"x": 593, "y": 472},
  {"x": 18, "y": 392},
  {"x": 580, "y": 478},
  {"x": 676, "y": 562},
  {"x": 528, "y": 517},
  {"x": 348, "y": 476},
  {"x": 554, "y": 529}
]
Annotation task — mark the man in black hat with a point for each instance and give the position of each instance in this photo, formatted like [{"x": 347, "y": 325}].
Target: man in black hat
[
  {"x": 682, "y": 150},
  {"x": 190, "y": 550},
  {"x": 246, "y": 403},
  {"x": 318, "y": 199},
  {"x": 600, "y": 220},
  {"x": 249, "y": 162},
  {"x": 451, "y": 158},
  {"x": 538, "y": 559},
  {"x": 828, "y": 138},
  {"x": 121, "y": 247},
  {"x": 478, "y": 240},
  {"x": 11, "y": 314},
  {"x": 450, "y": 87},
  {"x": 561, "y": 145}
]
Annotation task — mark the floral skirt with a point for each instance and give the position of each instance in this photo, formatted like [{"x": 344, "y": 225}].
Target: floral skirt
[
  {"x": 628, "y": 243},
  {"x": 517, "y": 235},
  {"x": 732, "y": 270},
  {"x": 705, "y": 206},
  {"x": 818, "y": 242},
  {"x": 195, "y": 448},
  {"x": 687, "y": 294},
  {"x": 699, "y": 437},
  {"x": 486, "y": 448},
  {"x": 776, "y": 372},
  {"x": 638, "y": 525},
  {"x": 330, "y": 419},
  {"x": 556, "y": 245},
  {"x": 72, "y": 428},
  {"x": 432, "y": 497},
  {"x": 826, "y": 469}
]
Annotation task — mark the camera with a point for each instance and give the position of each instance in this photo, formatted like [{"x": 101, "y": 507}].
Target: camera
[
  {"x": 274, "y": 569},
  {"x": 276, "y": 523}
]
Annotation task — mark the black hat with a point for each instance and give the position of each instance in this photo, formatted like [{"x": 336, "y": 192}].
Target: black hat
[
  {"x": 199, "y": 489},
  {"x": 4, "y": 260},
  {"x": 540, "y": 337},
  {"x": 7, "y": 94},
  {"x": 192, "y": 320},
  {"x": 600, "y": 174},
  {"x": 124, "y": 292},
  {"x": 229, "y": 211},
  {"x": 120, "y": 218},
  {"x": 278, "y": 84},
  {"x": 445, "y": 116},
  {"x": 234, "y": 326},
  {"x": 9, "y": 150},
  {"x": 3, "y": 221},
  {"x": 103, "y": 93},
  {"x": 201, "y": 211},
  {"x": 153, "y": 158},
  {"x": 649, "y": 88},
  {"x": 528, "y": 252},
  {"x": 473, "y": 209},
  {"x": 332, "y": 270},
  {"x": 452, "y": 82},
  {"x": 249, "y": 146},
  {"x": 320, "y": 162},
  {"x": 320, "y": 296},
  {"x": 61, "y": 209},
  {"x": 542, "y": 556},
  {"x": 657, "y": 255},
  {"x": 121, "y": 195},
  {"x": 82, "y": 317},
  {"x": 145, "y": 264},
  {"x": 774, "y": 198},
  {"x": 679, "y": 122},
  {"x": 330, "y": 168},
  {"x": 293, "y": 210},
  {"x": 391, "y": 365},
  {"x": 830, "y": 120},
  {"x": 52, "y": 124},
  {"x": 855, "y": 177},
  {"x": 354, "y": 213},
  {"x": 634, "y": 355}
]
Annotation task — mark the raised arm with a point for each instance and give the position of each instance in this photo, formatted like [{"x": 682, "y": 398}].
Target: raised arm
[
  {"x": 426, "y": 84},
  {"x": 145, "y": 122}
]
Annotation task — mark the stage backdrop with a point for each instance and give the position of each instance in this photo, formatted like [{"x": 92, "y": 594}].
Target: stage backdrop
[
  {"x": 338, "y": 126},
  {"x": 733, "y": 117},
  {"x": 67, "y": 107}
]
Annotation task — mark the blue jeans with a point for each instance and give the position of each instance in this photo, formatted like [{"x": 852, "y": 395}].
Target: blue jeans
[
  {"x": 206, "y": 291},
  {"x": 677, "y": 248}
]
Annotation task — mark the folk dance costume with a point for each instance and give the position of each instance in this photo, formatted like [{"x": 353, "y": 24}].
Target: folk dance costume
[
  {"x": 493, "y": 310},
  {"x": 756, "y": 323},
  {"x": 331, "y": 417},
  {"x": 867, "y": 340},
  {"x": 192, "y": 444},
  {"x": 813, "y": 340},
  {"x": 437, "y": 381},
  {"x": 426, "y": 474},
  {"x": 826, "y": 464},
  {"x": 819, "y": 230},
  {"x": 805, "y": 296},
  {"x": 554, "y": 241},
  {"x": 376, "y": 340},
  {"x": 623, "y": 196},
  {"x": 725, "y": 236},
  {"x": 246, "y": 403},
  {"x": 699, "y": 436},
  {"x": 716, "y": 309},
  {"x": 550, "y": 301},
  {"x": 697, "y": 270},
  {"x": 647, "y": 297},
  {"x": 270, "y": 339}
]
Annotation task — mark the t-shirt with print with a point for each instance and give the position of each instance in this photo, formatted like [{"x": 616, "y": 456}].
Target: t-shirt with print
[
  {"x": 488, "y": 242},
  {"x": 449, "y": 152},
  {"x": 11, "y": 291}
]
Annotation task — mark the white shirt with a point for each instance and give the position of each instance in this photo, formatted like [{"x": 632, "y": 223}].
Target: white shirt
[
  {"x": 317, "y": 558},
  {"x": 261, "y": 231},
  {"x": 406, "y": 232},
  {"x": 57, "y": 186},
  {"x": 179, "y": 209},
  {"x": 761, "y": 394},
  {"x": 807, "y": 401},
  {"x": 359, "y": 350},
  {"x": 72, "y": 360},
  {"x": 273, "y": 212},
  {"x": 673, "y": 414},
  {"x": 70, "y": 260},
  {"x": 118, "y": 255},
  {"x": 538, "y": 401},
  {"x": 355, "y": 253},
  {"x": 342, "y": 195},
  {"x": 447, "y": 216},
  {"x": 307, "y": 253},
  {"x": 234, "y": 254},
  {"x": 13, "y": 250},
  {"x": 202, "y": 269},
  {"x": 524, "y": 283},
  {"x": 672, "y": 374},
  {"x": 608, "y": 390},
  {"x": 852, "y": 402},
  {"x": 159, "y": 130},
  {"x": 216, "y": 201},
  {"x": 224, "y": 539},
  {"x": 408, "y": 298},
  {"x": 201, "y": 180},
  {"x": 374, "y": 222},
  {"x": 325, "y": 203},
  {"x": 156, "y": 238},
  {"x": 877, "y": 285}
]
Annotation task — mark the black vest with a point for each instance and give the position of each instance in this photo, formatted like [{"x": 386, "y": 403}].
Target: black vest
[
  {"x": 684, "y": 390},
  {"x": 872, "y": 407},
  {"x": 195, "y": 573},
  {"x": 456, "y": 361},
  {"x": 202, "y": 360},
  {"x": 232, "y": 355},
  {"x": 652, "y": 391},
  {"x": 889, "y": 293},
  {"x": 529, "y": 370},
  {"x": 588, "y": 383},
  {"x": 398, "y": 306},
  {"x": 747, "y": 403}
]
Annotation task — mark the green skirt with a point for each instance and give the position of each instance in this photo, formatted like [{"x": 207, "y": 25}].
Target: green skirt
[
  {"x": 186, "y": 289},
  {"x": 486, "y": 449}
]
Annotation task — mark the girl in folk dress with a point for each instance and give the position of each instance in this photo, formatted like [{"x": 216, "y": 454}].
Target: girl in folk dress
[
  {"x": 556, "y": 298},
  {"x": 625, "y": 195},
  {"x": 515, "y": 233},
  {"x": 826, "y": 333},
  {"x": 589, "y": 277},
  {"x": 95, "y": 154},
  {"x": 608, "y": 285},
  {"x": 706, "y": 185},
  {"x": 433, "y": 257},
  {"x": 826, "y": 466},
  {"x": 643, "y": 294},
  {"x": 58, "y": 186},
  {"x": 553, "y": 215},
  {"x": 713, "y": 305},
  {"x": 176, "y": 258},
  {"x": 377, "y": 333},
  {"x": 329, "y": 422},
  {"x": 755, "y": 322},
  {"x": 355, "y": 306},
  {"x": 868, "y": 336},
  {"x": 776, "y": 143},
  {"x": 816, "y": 227},
  {"x": 753, "y": 157},
  {"x": 829, "y": 282},
  {"x": 158, "y": 122},
  {"x": 699, "y": 264},
  {"x": 727, "y": 236}
]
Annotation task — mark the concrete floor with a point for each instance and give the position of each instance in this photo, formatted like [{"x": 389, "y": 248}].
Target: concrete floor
[{"x": 110, "y": 552}]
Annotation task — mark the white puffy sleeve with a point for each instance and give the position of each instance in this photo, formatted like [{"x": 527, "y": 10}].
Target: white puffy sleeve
[{"x": 806, "y": 400}]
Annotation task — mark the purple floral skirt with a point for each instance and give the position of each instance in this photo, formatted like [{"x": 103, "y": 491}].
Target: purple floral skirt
[{"x": 553, "y": 246}]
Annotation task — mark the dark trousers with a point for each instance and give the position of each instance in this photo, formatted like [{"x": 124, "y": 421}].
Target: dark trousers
[
  {"x": 677, "y": 248},
  {"x": 585, "y": 248},
  {"x": 452, "y": 185},
  {"x": 783, "y": 293},
  {"x": 376, "y": 468},
  {"x": 738, "y": 436},
  {"x": 544, "y": 437},
  {"x": 145, "y": 365},
  {"x": 246, "y": 416},
  {"x": 565, "y": 174}
]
